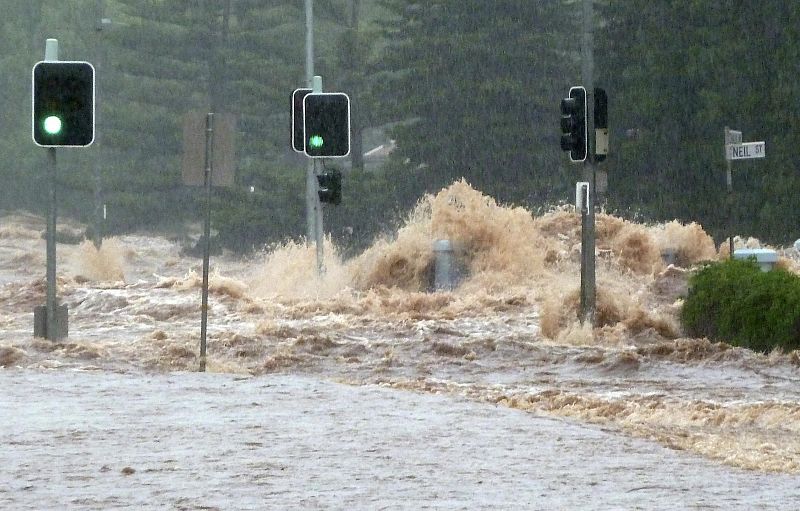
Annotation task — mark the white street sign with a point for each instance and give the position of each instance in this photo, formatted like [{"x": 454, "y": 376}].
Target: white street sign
[
  {"x": 581, "y": 196},
  {"x": 733, "y": 137},
  {"x": 745, "y": 151}
]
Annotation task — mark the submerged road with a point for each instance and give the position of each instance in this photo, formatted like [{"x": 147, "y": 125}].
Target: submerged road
[{"x": 99, "y": 440}]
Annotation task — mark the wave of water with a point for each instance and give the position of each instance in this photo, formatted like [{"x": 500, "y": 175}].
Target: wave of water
[{"x": 509, "y": 334}]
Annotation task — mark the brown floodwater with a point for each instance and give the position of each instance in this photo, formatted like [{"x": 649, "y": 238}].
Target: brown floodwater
[{"x": 507, "y": 335}]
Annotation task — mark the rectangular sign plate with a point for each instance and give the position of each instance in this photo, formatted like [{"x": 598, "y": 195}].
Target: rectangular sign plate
[{"x": 745, "y": 151}]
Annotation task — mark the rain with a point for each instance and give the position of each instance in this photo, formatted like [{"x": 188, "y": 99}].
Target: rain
[{"x": 404, "y": 322}]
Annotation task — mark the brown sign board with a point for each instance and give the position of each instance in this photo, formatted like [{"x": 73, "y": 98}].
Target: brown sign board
[{"x": 193, "y": 165}]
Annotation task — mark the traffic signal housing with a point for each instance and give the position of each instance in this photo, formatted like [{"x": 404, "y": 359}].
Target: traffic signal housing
[
  {"x": 600, "y": 124},
  {"x": 326, "y": 125},
  {"x": 330, "y": 186},
  {"x": 63, "y": 104},
  {"x": 297, "y": 118},
  {"x": 574, "y": 136}
]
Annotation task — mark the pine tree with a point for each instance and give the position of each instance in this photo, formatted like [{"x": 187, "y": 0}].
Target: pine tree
[{"x": 474, "y": 86}]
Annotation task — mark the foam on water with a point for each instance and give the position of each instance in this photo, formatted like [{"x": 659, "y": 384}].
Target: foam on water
[
  {"x": 103, "y": 264},
  {"x": 508, "y": 334}
]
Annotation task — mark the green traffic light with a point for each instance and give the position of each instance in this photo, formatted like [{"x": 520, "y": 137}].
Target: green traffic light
[
  {"x": 315, "y": 141},
  {"x": 52, "y": 125}
]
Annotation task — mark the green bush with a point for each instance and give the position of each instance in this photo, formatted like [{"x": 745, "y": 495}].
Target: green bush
[{"x": 735, "y": 302}]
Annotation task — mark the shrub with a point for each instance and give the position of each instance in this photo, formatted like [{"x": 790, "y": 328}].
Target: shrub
[{"x": 735, "y": 302}]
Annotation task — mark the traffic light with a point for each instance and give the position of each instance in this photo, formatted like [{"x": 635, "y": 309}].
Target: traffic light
[
  {"x": 63, "y": 104},
  {"x": 600, "y": 124},
  {"x": 330, "y": 186},
  {"x": 326, "y": 125},
  {"x": 297, "y": 118},
  {"x": 573, "y": 124}
]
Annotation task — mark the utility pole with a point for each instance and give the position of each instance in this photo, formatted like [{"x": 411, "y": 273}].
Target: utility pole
[
  {"x": 99, "y": 207},
  {"x": 207, "y": 177},
  {"x": 52, "y": 331},
  {"x": 313, "y": 206},
  {"x": 588, "y": 281},
  {"x": 355, "y": 63},
  {"x": 311, "y": 181}
]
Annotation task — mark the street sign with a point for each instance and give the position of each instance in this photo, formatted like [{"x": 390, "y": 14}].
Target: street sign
[
  {"x": 581, "y": 196},
  {"x": 745, "y": 151},
  {"x": 223, "y": 152},
  {"x": 733, "y": 136}
]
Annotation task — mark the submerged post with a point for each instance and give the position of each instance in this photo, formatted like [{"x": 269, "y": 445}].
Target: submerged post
[
  {"x": 209, "y": 167},
  {"x": 729, "y": 139},
  {"x": 51, "y": 330},
  {"x": 316, "y": 88},
  {"x": 446, "y": 273},
  {"x": 588, "y": 279},
  {"x": 311, "y": 180}
]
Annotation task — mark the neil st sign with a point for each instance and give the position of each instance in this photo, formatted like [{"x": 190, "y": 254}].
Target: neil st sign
[{"x": 745, "y": 151}]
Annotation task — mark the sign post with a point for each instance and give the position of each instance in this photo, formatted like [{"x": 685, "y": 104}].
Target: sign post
[
  {"x": 735, "y": 149},
  {"x": 207, "y": 176}
]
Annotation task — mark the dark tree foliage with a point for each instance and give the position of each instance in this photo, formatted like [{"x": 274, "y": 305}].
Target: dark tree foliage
[
  {"x": 474, "y": 86},
  {"x": 172, "y": 58},
  {"x": 467, "y": 88},
  {"x": 678, "y": 72}
]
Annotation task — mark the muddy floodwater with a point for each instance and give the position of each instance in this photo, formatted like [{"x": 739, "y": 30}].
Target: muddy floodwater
[{"x": 363, "y": 389}]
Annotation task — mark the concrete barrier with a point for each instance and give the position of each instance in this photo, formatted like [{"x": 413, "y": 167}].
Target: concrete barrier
[{"x": 766, "y": 258}]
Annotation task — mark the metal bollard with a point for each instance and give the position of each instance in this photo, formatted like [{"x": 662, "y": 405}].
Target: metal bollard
[{"x": 446, "y": 271}]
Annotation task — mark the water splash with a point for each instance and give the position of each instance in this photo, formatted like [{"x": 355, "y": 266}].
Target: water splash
[{"x": 509, "y": 334}]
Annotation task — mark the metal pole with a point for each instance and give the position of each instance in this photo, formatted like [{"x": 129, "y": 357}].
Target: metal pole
[
  {"x": 99, "y": 209},
  {"x": 52, "y": 302},
  {"x": 51, "y": 55},
  {"x": 588, "y": 287},
  {"x": 318, "y": 241},
  {"x": 311, "y": 180},
  {"x": 207, "y": 235},
  {"x": 316, "y": 87},
  {"x": 584, "y": 212},
  {"x": 729, "y": 182}
]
